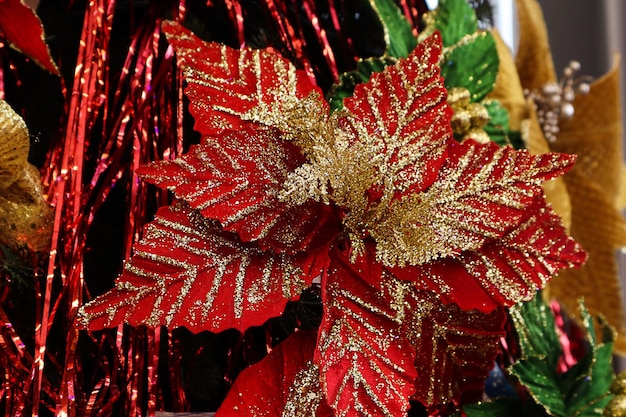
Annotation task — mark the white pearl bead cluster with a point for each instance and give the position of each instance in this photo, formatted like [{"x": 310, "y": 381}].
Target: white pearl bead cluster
[{"x": 555, "y": 100}]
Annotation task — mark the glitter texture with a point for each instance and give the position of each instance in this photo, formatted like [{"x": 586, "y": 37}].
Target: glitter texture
[
  {"x": 187, "y": 272},
  {"x": 449, "y": 342},
  {"x": 245, "y": 171},
  {"x": 377, "y": 202}
]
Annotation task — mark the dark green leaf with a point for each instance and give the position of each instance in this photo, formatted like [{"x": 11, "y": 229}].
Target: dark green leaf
[
  {"x": 454, "y": 19},
  {"x": 541, "y": 350},
  {"x": 397, "y": 29},
  {"x": 582, "y": 391},
  {"x": 498, "y": 126},
  {"x": 540, "y": 378},
  {"x": 472, "y": 64},
  {"x": 534, "y": 324},
  {"x": 587, "y": 385},
  {"x": 516, "y": 140}
]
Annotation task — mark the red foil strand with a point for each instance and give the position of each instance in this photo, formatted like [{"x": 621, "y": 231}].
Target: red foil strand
[
  {"x": 329, "y": 56},
  {"x": 236, "y": 16}
]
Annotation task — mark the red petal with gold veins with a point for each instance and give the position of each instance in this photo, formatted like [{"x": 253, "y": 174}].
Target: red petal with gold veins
[
  {"x": 482, "y": 191},
  {"x": 229, "y": 87},
  {"x": 403, "y": 118},
  {"x": 236, "y": 179},
  {"x": 22, "y": 28},
  {"x": 186, "y": 271},
  {"x": 504, "y": 271},
  {"x": 284, "y": 384},
  {"x": 365, "y": 360},
  {"x": 455, "y": 349}
]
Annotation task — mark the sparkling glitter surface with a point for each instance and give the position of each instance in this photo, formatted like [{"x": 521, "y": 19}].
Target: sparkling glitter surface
[
  {"x": 450, "y": 342},
  {"x": 377, "y": 202},
  {"x": 188, "y": 272}
]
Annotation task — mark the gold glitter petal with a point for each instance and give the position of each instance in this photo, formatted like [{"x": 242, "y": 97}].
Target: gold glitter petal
[{"x": 463, "y": 208}]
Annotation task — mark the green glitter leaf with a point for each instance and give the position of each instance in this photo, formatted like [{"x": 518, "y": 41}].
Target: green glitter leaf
[
  {"x": 473, "y": 64},
  {"x": 498, "y": 126},
  {"x": 541, "y": 350},
  {"x": 587, "y": 384},
  {"x": 454, "y": 19},
  {"x": 583, "y": 389}
]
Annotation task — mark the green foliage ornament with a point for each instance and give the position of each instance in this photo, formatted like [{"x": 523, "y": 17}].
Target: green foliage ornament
[
  {"x": 581, "y": 391},
  {"x": 470, "y": 57},
  {"x": 453, "y": 18},
  {"x": 472, "y": 63},
  {"x": 498, "y": 126},
  {"x": 470, "y": 60}
]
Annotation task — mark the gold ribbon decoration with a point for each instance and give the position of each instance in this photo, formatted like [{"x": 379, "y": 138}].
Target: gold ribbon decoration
[
  {"x": 25, "y": 216},
  {"x": 594, "y": 186},
  {"x": 522, "y": 117}
]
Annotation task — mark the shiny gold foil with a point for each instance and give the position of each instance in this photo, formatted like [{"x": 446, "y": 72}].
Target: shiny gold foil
[{"x": 25, "y": 217}]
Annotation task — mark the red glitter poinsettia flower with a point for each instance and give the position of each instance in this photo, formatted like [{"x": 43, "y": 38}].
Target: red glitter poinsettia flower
[{"x": 419, "y": 242}]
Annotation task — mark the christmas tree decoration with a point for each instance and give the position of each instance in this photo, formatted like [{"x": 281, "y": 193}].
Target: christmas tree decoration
[
  {"x": 342, "y": 208},
  {"x": 594, "y": 132},
  {"x": 470, "y": 63},
  {"x": 398, "y": 221},
  {"x": 22, "y": 29},
  {"x": 208, "y": 279},
  {"x": 582, "y": 390}
]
